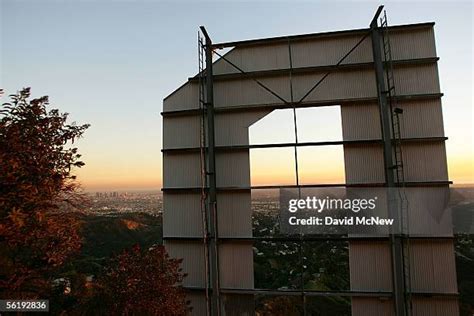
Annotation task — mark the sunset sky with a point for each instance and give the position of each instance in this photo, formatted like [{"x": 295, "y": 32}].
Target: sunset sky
[{"x": 111, "y": 63}]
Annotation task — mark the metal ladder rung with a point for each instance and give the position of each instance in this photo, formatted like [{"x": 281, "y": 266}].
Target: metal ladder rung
[
  {"x": 398, "y": 155},
  {"x": 392, "y": 88}
]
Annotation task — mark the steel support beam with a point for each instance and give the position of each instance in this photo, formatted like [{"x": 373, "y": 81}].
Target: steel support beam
[
  {"x": 211, "y": 174},
  {"x": 308, "y": 144},
  {"x": 398, "y": 278},
  {"x": 416, "y": 184},
  {"x": 284, "y": 39},
  {"x": 277, "y": 106}
]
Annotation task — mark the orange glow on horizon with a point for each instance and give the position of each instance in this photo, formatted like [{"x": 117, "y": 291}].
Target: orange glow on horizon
[
  {"x": 267, "y": 168},
  {"x": 461, "y": 170}
]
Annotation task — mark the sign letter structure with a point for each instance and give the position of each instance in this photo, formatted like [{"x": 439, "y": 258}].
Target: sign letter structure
[{"x": 430, "y": 287}]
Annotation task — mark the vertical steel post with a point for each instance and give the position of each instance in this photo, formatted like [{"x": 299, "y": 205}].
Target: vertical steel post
[
  {"x": 398, "y": 278},
  {"x": 212, "y": 194}
]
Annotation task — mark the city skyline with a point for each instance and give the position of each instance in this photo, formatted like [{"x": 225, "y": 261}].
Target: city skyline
[{"x": 114, "y": 71}]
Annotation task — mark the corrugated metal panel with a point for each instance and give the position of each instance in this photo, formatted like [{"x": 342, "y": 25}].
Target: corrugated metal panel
[
  {"x": 185, "y": 98},
  {"x": 416, "y": 79},
  {"x": 315, "y": 52},
  {"x": 420, "y": 118},
  {"x": 232, "y": 169},
  {"x": 432, "y": 266},
  {"x": 181, "y": 131},
  {"x": 370, "y": 266},
  {"x": 411, "y": 44},
  {"x": 428, "y": 212},
  {"x": 254, "y": 58},
  {"x": 236, "y": 265},
  {"x": 182, "y": 215},
  {"x": 234, "y": 214},
  {"x": 425, "y": 162},
  {"x": 381, "y": 210},
  {"x": 181, "y": 170},
  {"x": 423, "y": 118},
  {"x": 360, "y": 121},
  {"x": 234, "y": 127},
  {"x": 325, "y": 51},
  {"x": 359, "y": 83},
  {"x": 328, "y": 51},
  {"x": 435, "y": 307},
  {"x": 425, "y": 207},
  {"x": 193, "y": 263},
  {"x": 230, "y": 93},
  {"x": 339, "y": 85},
  {"x": 198, "y": 303},
  {"x": 363, "y": 164},
  {"x": 372, "y": 306},
  {"x": 345, "y": 84},
  {"x": 422, "y": 162}
]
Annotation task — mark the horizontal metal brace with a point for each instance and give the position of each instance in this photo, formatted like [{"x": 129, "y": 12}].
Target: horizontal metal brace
[
  {"x": 284, "y": 39},
  {"x": 291, "y": 292},
  {"x": 306, "y": 104},
  {"x": 307, "y": 144},
  {"x": 296, "y": 292},
  {"x": 306, "y": 70},
  {"x": 329, "y": 185},
  {"x": 309, "y": 238}
]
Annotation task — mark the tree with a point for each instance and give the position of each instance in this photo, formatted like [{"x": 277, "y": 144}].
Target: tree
[
  {"x": 38, "y": 192},
  {"x": 140, "y": 282}
]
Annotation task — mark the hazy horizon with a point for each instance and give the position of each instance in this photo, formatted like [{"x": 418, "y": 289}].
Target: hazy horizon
[{"x": 158, "y": 190}]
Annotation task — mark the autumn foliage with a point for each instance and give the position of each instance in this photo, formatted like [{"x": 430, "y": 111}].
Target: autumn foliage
[
  {"x": 142, "y": 282},
  {"x": 40, "y": 226},
  {"x": 38, "y": 231}
]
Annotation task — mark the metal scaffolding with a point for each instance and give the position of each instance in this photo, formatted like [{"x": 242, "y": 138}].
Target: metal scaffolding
[
  {"x": 208, "y": 160},
  {"x": 391, "y": 144}
]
